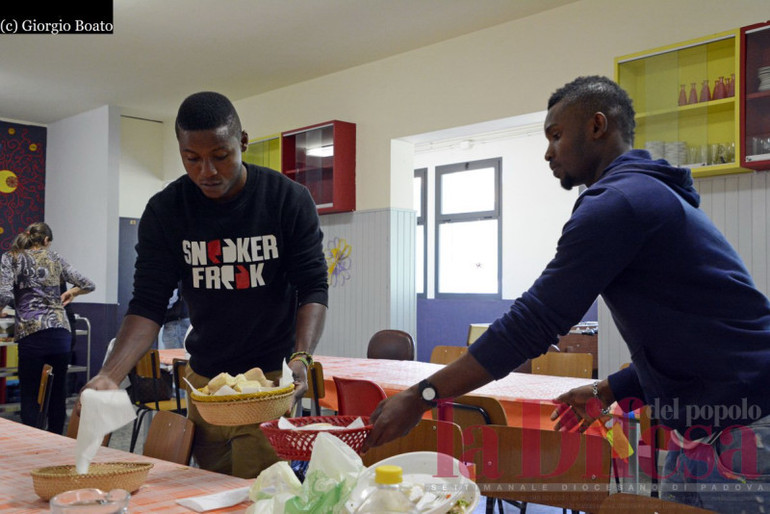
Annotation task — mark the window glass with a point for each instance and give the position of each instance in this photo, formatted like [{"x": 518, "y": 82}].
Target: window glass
[
  {"x": 468, "y": 257},
  {"x": 468, "y": 191}
]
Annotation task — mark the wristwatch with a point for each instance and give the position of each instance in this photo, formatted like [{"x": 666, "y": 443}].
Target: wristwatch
[{"x": 428, "y": 393}]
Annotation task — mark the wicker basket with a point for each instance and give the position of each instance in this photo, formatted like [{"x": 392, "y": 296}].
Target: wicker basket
[
  {"x": 52, "y": 480},
  {"x": 244, "y": 409},
  {"x": 298, "y": 444}
]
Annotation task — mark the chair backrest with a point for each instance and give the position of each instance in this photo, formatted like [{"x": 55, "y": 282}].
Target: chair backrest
[
  {"x": 147, "y": 369},
  {"x": 564, "y": 364},
  {"x": 627, "y": 502},
  {"x": 474, "y": 332},
  {"x": 44, "y": 395},
  {"x": 315, "y": 387},
  {"x": 429, "y": 435},
  {"x": 391, "y": 344},
  {"x": 178, "y": 367},
  {"x": 577, "y": 466},
  {"x": 357, "y": 397},
  {"x": 149, "y": 365},
  {"x": 444, "y": 354},
  {"x": 74, "y": 423},
  {"x": 467, "y": 411},
  {"x": 170, "y": 438}
]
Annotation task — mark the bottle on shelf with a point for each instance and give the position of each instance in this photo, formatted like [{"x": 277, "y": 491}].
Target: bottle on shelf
[
  {"x": 693, "y": 94},
  {"x": 388, "y": 497},
  {"x": 705, "y": 92},
  {"x": 731, "y": 86},
  {"x": 682, "y": 95},
  {"x": 719, "y": 89}
]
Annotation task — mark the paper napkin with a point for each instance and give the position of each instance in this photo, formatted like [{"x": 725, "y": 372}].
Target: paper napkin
[
  {"x": 215, "y": 501},
  {"x": 101, "y": 413}
]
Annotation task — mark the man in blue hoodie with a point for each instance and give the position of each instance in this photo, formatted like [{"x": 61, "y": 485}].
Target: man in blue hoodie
[{"x": 697, "y": 328}]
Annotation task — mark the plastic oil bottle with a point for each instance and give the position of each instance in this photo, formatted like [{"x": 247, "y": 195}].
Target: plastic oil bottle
[{"x": 388, "y": 496}]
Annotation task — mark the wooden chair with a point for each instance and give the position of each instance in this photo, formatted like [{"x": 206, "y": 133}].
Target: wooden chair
[
  {"x": 468, "y": 411},
  {"x": 560, "y": 469},
  {"x": 148, "y": 367},
  {"x": 474, "y": 332},
  {"x": 391, "y": 344},
  {"x": 178, "y": 367},
  {"x": 429, "y": 435},
  {"x": 315, "y": 391},
  {"x": 357, "y": 397},
  {"x": 637, "y": 504},
  {"x": 170, "y": 438},
  {"x": 315, "y": 387},
  {"x": 444, "y": 354},
  {"x": 44, "y": 396},
  {"x": 564, "y": 364},
  {"x": 74, "y": 423}
]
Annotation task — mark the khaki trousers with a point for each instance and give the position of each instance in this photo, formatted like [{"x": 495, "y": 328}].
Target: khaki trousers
[{"x": 241, "y": 451}]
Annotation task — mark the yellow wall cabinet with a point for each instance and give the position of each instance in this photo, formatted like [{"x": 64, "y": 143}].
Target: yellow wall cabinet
[
  {"x": 265, "y": 151},
  {"x": 687, "y": 108}
]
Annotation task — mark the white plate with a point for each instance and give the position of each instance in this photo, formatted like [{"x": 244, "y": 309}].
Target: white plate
[{"x": 420, "y": 468}]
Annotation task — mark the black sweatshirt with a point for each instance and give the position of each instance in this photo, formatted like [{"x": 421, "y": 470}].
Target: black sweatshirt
[{"x": 245, "y": 266}]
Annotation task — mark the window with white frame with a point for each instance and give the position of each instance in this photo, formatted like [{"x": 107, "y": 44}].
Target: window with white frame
[
  {"x": 421, "y": 235},
  {"x": 468, "y": 229}
]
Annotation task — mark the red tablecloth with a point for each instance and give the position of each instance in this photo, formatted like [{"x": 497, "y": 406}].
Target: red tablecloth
[
  {"x": 526, "y": 398},
  {"x": 23, "y": 449}
]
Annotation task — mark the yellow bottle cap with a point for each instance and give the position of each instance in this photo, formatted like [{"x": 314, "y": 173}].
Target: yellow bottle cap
[{"x": 387, "y": 474}]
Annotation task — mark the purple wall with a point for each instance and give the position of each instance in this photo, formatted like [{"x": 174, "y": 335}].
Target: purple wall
[{"x": 446, "y": 321}]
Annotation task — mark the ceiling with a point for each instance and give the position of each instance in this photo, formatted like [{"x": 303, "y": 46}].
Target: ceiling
[{"x": 163, "y": 50}]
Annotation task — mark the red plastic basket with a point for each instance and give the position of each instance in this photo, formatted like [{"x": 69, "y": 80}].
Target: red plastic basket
[{"x": 298, "y": 444}]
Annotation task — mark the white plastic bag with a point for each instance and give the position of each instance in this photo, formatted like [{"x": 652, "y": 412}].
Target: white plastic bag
[{"x": 332, "y": 474}]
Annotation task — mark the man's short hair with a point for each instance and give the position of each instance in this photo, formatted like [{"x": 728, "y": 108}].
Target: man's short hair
[
  {"x": 599, "y": 94},
  {"x": 207, "y": 110}
]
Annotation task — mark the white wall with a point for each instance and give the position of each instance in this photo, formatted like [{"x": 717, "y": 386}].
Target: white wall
[
  {"x": 81, "y": 196},
  {"x": 496, "y": 73},
  {"x": 141, "y": 164},
  {"x": 535, "y": 207}
]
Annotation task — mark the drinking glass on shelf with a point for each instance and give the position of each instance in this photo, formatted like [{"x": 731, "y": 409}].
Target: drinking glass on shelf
[
  {"x": 693, "y": 154},
  {"x": 717, "y": 154},
  {"x": 730, "y": 152}
]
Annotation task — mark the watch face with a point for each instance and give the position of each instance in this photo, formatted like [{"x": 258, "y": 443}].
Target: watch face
[{"x": 429, "y": 394}]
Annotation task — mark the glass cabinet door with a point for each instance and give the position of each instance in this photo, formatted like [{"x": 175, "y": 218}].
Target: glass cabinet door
[
  {"x": 322, "y": 158},
  {"x": 686, "y": 107},
  {"x": 755, "y": 101}
]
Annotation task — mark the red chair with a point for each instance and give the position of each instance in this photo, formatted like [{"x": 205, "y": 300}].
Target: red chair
[{"x": 357, "y": 397}]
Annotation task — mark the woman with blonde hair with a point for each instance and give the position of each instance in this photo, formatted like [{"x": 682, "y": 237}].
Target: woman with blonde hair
[{"x": 30, "y": 276}]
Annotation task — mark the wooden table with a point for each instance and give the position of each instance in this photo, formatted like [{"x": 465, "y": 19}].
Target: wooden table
[
  {"x": 527, "y": 399},
  {"x": 24, "y": 448}
]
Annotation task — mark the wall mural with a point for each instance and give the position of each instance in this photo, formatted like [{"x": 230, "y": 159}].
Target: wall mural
[
  {"x": 22, "y": 179},
  {"x": 338, "y": 261}
]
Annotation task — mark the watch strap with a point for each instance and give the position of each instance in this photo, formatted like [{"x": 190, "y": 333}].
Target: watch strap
[{"x": 595, "y": 389}]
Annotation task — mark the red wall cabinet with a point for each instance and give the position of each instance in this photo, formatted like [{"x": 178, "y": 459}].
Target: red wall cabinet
[
  {"x": 755, "y": 97},
  {"x": 322, "y": 157}
]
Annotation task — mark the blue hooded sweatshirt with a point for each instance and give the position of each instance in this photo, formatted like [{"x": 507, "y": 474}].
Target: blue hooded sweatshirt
[{"x": 697, "y": 328}]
